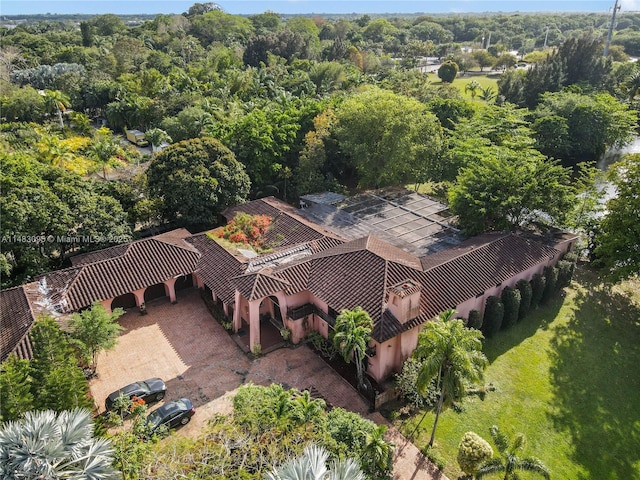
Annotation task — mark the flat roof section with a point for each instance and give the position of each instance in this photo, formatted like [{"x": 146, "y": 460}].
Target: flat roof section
[{"x": 413, "y": 222}]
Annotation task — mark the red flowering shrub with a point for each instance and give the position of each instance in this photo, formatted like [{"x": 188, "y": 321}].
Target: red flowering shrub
[{"x": 246, "y": 229}]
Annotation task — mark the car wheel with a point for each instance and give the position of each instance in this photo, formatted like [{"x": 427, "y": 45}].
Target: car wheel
[
  {"x": 159, "y": 396},
  {"x": 184, "y": 420}
]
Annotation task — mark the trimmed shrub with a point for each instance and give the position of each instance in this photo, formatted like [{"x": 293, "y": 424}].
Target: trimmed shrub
[
  {"x": 538, "y": 283},
  {"x": 407, "y": 384},
  {"x": 550, "y": 288},
  {"x": 493, "y": 316},
  {"x": 448, "y": 71},
  {"x": 511, "y": 301},
  {"x": 565, "y": 273},
  {"x": 524, "y": 287},
  {"x": 475, "y": 320},
  {"x": 472, "y": 451}
]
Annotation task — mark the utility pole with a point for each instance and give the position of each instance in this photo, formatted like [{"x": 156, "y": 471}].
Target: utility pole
[
  {"x": 546, "y": 37},
  {"x": 616, "y": 7}
]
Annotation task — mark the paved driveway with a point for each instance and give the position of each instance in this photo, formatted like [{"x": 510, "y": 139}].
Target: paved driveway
[{"x": 196, "y": 357}]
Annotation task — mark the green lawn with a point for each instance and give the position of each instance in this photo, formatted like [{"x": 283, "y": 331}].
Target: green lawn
[
  {"x": 483, "y": 80},
  {"x": 568, "y": 376}
]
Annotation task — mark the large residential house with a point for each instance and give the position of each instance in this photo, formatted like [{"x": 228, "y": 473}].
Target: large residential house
[{"x": 394, "y": 253}]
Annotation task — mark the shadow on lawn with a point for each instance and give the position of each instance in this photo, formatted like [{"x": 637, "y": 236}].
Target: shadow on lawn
[
  {"x": 505, "y": 340},
  {"x": 595, "y": 376}
]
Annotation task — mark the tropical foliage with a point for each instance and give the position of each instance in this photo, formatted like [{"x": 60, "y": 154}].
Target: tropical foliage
[
  {"x": 352, "y": 333},
  {"x": 509, "y": 462},
  {"x": 451, "y": 354},
  {"x": 47, "y": 444}
]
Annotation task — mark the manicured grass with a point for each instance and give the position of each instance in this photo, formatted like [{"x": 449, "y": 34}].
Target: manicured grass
[
  {"x": 483, "y": 80},
  {"x": 568, "y": 377}
]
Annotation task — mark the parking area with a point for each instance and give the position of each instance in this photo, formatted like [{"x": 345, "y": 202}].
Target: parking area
[
  {"x": 186, "y": 347},
  {"x": 197, "y": 359}
]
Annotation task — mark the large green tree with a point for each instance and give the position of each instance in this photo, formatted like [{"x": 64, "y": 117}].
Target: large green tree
[
  {"x": 196, "y": 179},
  {"x": 509, "y": 462},
  {"x": 58, "y": 382},
  {"x": 618, "y": 235},
  {"x": 352, "y": 333},
  {"x": 390, "y": 138},
  {"x": 452, "y": 354},
  {"x": 55, "y": 445},
  {"x": 15, "y": 388},
  {"x": 508, "y": 188},
  {"x": 95, "y": 330},
  {"x": 576, "y": 127}
]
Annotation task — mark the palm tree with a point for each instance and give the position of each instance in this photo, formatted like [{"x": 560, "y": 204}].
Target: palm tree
[
  {"x": 487, "y": 94},
  {"x": 156, "y": 137},
  {"x": 377, "y": 452},
  {"x": 352, "y": 333},
  {"x": 103, "y": 152},
  {"x": 472, "y": 87},
  {"x": 56, "y": 102},
  {"x": 47, "y": 444},
  {"x": 509, "y": 462},
  {"x": 312, "y": 465},
  {"x": 305, "y": 409},
  {"x": 54, "y": 152},
  {"x": 452, "y": 354}
]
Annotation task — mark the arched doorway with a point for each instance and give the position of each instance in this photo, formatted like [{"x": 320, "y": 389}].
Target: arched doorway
[
  {"x": 126, "y": 301},
  {"x": 185, "y": 281},
  {"x": 154, "y": 291}
]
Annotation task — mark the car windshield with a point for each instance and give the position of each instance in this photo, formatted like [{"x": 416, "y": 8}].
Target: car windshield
[{"x": 154, "y": 419}]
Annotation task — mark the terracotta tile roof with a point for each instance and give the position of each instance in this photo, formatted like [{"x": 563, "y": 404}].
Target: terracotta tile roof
[
  {"x": 388, "y": 326},
  {"x": 16, "y": 319},
  {"x": 377, "y": 247},
  {"x": 174, "y": 237},
  {"x": 288, "y": 227},
  {"x": 257, "y": 285},
  {"x": 361, "y": 272},
  {"x": 473, "y": 271},
  {"x": 144, "y": 263},
  {"x": 216, "y": 266}
]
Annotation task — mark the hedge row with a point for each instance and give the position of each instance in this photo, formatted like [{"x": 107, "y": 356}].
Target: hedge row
[{"x": 515, "y": 303}]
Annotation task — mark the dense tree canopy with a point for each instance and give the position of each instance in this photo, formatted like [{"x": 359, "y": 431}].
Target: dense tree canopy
[
  {"x": 618, "y": 235},
  {"x": 390, "y": 138},
  {"x": 507, "y": 189},
  {"x": 196, "y": 179},
  {"x": 576, "y": 127}
]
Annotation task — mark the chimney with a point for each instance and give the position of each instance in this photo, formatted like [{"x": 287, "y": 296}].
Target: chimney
[{"x": 404, "y": 300}]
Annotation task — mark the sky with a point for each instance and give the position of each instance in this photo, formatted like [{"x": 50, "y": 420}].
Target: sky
[{"x": 25, "y": 7}]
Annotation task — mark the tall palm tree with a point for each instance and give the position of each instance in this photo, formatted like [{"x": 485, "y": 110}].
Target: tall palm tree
[
  {"x": 47, "y": 444},
  {"x": 352, "y": 334},
  {"x": 56, "y": 102},
  {"x": 509, "y": 462},
  {"x": 452, "y": 354},
  {"x": 312, "y": 465}
]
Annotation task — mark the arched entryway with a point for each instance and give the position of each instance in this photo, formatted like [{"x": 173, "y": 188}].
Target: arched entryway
[
  {"x": 270, "y": 310},
  {"x": 154, "y": 291},
  {"x": 126, "y": 301},
  {"x": 185, "y": 281}
]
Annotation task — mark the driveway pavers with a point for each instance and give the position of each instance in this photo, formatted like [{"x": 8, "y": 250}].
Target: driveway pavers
[{"x": 197, "y": 359}]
